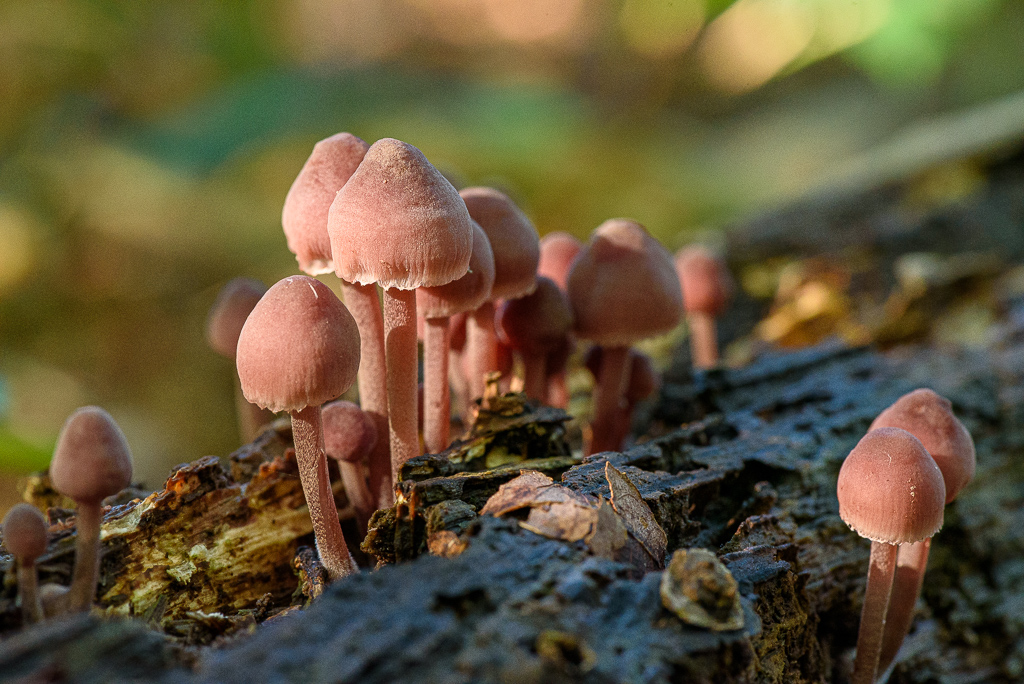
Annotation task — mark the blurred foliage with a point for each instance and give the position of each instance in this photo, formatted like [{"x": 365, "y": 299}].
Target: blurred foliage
[{"x": 145, "y": 149}]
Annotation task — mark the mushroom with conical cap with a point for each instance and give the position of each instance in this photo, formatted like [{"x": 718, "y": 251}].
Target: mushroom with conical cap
[
  {"x": 90, "y": 462},
  {"x": 25, "y": 538},
  {"x": 891, "y": 492},
  {"x": 706, "y": 287},
  {"x": 298, "y": 350}
]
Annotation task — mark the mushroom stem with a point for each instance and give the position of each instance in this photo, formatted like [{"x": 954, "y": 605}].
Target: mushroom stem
[
  {"x": 881, "y": 572},
  {"x": 436, "y": 397},
  {"x": 89, "y": 515},
  {"x": 482, "y": 347},
  {"x": 910, "y": 565},
  {"x": 364, "y": 306},
  {"x": 703, "y": 339},
  {"x": 250, "y": 416},
  {"x": 535, "y": 378},
  {"x": 28, "y": 587},
  {"x": 359, "y": 494},
  {"x": 558, "y": 390},
  {"x": 400, "y": 346},
  {"x": 608, "y": 399},
  {"x": 308, "y": 436}
]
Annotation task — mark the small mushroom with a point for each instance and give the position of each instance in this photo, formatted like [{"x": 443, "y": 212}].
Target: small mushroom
[
  {"x": 642, "y": 382},
  {"x": 25, "y": 538},
  {"x": 298, "y": 350},
  {"x": 557, "y": 252},
  {"x": 706, "y": 287},
  {"x": 349, "y": 438},
  {"x": 91, "y": 462},
  {"x": 891, "y": 492},
  {"x": 233, "y": 305}
]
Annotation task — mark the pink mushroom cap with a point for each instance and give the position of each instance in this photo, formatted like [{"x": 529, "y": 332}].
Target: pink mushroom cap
[
  {"x": 537, "y": 323},
  {"x": 557, "y": 252},
  {"x": 91, "y": 460},
  {"x": 233, "y": 305},
  {"x": 465, "y": 293},
  {"x": 25, "y": 532},
  {"x": 514, "y": 241},
  {"x": 704, "y": 279},
  {"x": 349, "y": 433}
]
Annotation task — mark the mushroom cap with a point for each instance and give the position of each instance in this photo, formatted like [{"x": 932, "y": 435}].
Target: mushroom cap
[
  {"x": 299, "y": 347},
  {"x": 304, "y": 216},
  {"x": 538, "y": 323},
  {"x": 91, "y": 460},
  {"x": 890, "y": 490},
  {"x": 234, "y": 303},
  {"x": 514, "y": 241},
  {"x": 704, "y": 279},
  {"x": 557, "y": 251},
  {"x": 398, "y": 222},
  {"x": 25, "y": 532},
  {"x": 349, "y": 433},
  {"x": 465, "y": 293},
  {"x": 623, "y": 286},
  {"x": 929, "y": 417}
]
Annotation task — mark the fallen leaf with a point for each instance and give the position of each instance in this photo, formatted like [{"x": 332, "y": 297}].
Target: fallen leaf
[
  {"x": 636, "y": 514},
  {"x": 701, "y": 591}
]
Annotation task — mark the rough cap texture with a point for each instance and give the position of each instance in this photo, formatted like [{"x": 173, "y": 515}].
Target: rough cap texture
[
  {"x": 623, "y": 286},
  {"x": 304, "y": 216},
  {"x": 466, "y": 293},
  {"x": 398, "y": 222},
  {"x": 299, "y": 348},
  {"x": 513, "y": 239},
  {"x": 92, "y": 460},
  {"x": 25, "y": 532},
  {"x": 228, "y": 313},
  {"x": 929, "y": 417},
  {"x": 349, "y": 434},
  {"x": 890, "y": 489},
  {"x": 537, "y": 323},
  {"x": 705, "y": 281}
]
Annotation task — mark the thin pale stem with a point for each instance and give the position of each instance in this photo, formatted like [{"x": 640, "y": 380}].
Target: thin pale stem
[
  {"x": 28, "y": 587},
  {"x": 363, "y": 304},
  {"x": 558, "y": 390},
  {"x": 482, "y": 347},
  {"x": 608, "y": 393},
  {"x": 436, "y": 396},
  {"x": 400, "y": 346},
  {"x": 911, "y": 562},
  {"x": 535, "y": 377},
  {"x": 308, "y": 435},
  {"x": 703, "y": 340},
  {"x": 881, "y": 571},
  {"x": 358, "y": 492},
  {"x": 87, "y": 557},
  {"x": 250, "y": 416}
]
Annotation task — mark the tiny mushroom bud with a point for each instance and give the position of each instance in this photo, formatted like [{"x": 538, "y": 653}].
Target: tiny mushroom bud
[
  {"x": 223, "y": 325},
  {"x": 891, "y": 492},
  {"x": 298, "y": 350},
  {"x": 706, "y": 287},
  {"x": 349, "y": 438},
  {"x": 91, "y": 462},
  {"x": 929, "y": 417},
  {"x": 25, "y": 537}
]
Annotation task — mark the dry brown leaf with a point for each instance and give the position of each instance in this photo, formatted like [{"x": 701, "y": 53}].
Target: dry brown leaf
[
  {"x": 531, "y": 488},
  {"x": 565, "y": 520},
  {"x": 609, "y": 533},
  {"x": 636, "y": 514},
  {"x": 701, "y": 591}
]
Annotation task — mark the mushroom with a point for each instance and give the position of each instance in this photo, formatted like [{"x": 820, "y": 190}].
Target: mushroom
[
  {"x": 25, "y": 538},
  {"x": 536, "y": 326},
  {"x": 623, "y": 288},
  {"x": 891, "y": 492},
  {"x": 90, "y": 462},
  {"x": 707, "y": 288},
  {"x": 304, "y": 219},
  {"x": 929, "y": 417},
  {"x": 223, "y": 324},
  {"x": 398, "y": 222},
  {"x": 557, "y": 252},
  {"x": 516, "y": 248},
  {"x": 437, "y": 305},
  {"x": 349, "y": 437},
  {"x": 298, "y": 350},
  {"x": 642, "y": 381}
]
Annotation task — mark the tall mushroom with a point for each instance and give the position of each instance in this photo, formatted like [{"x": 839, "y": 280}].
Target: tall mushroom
[
  {"x": 223, "y": 324},
  {"x": 349, "y": 437},
  {"x": 399, "y": 223},
  {"x": 436, "y": 306},
  {"x": 929, "y": 417},
  {"x": 706, "y": 287},
  {"x": 90, "y": 462},
  {"x": 891, "y": 492},
  {"x": 298, "y": 350},
  {"x": 304, "y": 219},
  {"x": 623, "y": 288},
  {"x": 25, "y": 538},
  {"x": 516, "y": 249}
]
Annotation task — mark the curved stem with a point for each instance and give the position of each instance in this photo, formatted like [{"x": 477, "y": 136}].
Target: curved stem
[
  {"x": 87, "y": 557},
  {"x": 703, "y": 340},
  {"x": 881, "y": 571},
  {"x": 436, "y": 397},
  {"x": 28, "y": 587},
  {"x": 482, "y": 347},
  {"x": 308, "y": 435},
  {"x": 535, "y": 378},
  {"x": 400, "y": 346},
  {"x": 608, "y": 394},
  {"x": 910, "y": 566},
  {"x": 364, "y": 306}
]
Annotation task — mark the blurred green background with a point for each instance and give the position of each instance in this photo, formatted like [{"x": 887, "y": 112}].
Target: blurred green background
[{"x": 146, "y": 149}]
